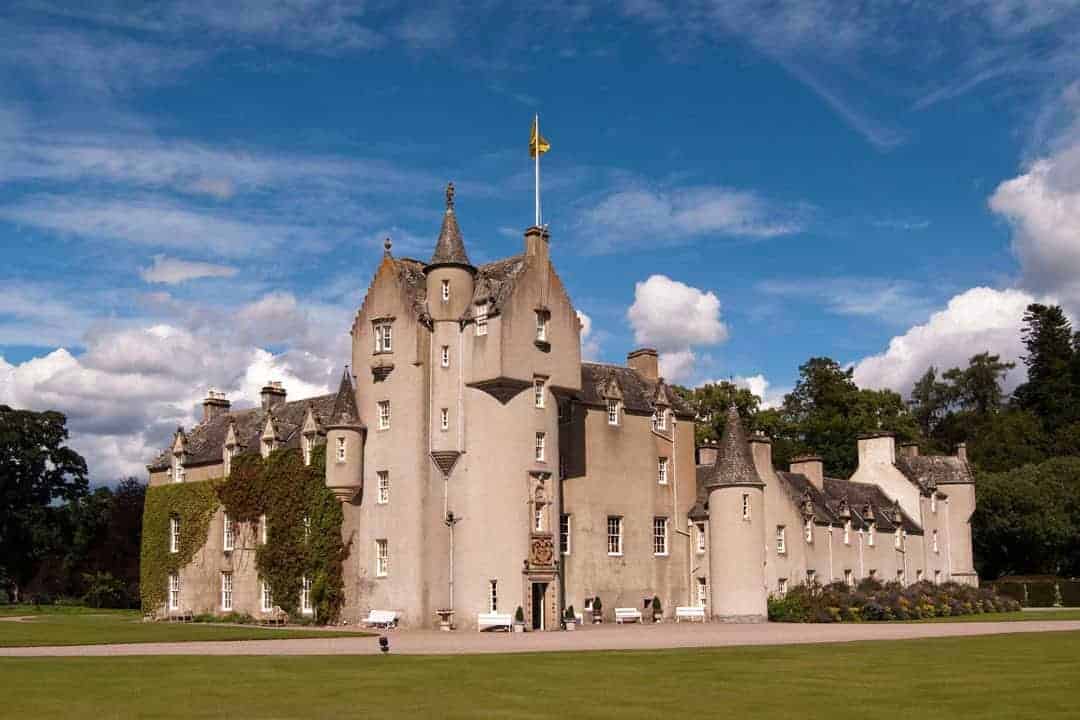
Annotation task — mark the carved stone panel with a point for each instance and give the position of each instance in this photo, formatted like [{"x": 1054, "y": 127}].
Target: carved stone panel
[{"x": 542, "y": 551}]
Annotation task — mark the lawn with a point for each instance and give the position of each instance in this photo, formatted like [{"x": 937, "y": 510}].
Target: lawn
[
  {"x": 60, "y": 625},
  {"x": 1004, "y": 676},
  {"x": 1066, "y": 614}
]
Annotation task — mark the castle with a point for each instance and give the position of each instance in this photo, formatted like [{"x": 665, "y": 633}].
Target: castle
[{"x": 482, "y": 466}]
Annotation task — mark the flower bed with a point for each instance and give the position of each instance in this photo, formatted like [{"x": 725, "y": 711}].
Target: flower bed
[{"x": 871, "y": 600}]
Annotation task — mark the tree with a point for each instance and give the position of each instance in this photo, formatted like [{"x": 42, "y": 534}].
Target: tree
[
  {"x": 978, "y": 387},
  {"x": 930, "y": 399},
  {"x": 711, "y": 402},
  {"x": 37, "y": 469},
  {"x": 1050, "y": 391}
]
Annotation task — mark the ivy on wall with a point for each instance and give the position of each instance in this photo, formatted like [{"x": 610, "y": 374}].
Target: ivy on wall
[
  {"x": 193, "y": 504},
  {"x": 303, "y": 520}
]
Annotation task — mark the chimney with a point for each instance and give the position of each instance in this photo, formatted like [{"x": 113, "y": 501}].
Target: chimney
[
  {"x": 961, "y": 451},
  {"x": 537, "y": 242},
  {"x": 877, "y": 449},
  {"x": 909, "y": 449},
  {"x": 272, "y": 394},
  {"x": 214, "y": 405},
  {"x": 645, "y": 361},
  {"x": 813, "y": 467},
  {"x": 706, "y": 453},
  {"x": 761, "y": 449}
]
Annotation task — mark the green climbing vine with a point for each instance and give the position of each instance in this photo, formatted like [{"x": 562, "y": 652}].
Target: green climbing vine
[
  {"x": 303, "y": 526},
  {"x": 193, "y": 504}
]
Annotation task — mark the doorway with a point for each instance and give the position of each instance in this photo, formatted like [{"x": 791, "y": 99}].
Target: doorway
[{"x": 539, "y": 592}]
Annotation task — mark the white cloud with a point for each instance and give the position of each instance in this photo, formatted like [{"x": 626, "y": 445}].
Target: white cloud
[
  {"x": 38, "y": 315},
  {"x": 980, "y": 319},
  {"x": 590, "y": 344},
  {"x": 172, "y": 271},
  {"x": 760, "y": 386},
  {"x": 672, "y": 317},
  {"x": 891, "y": 301}
]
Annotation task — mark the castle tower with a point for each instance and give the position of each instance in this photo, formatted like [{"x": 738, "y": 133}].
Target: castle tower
[
  {"x": 345, "y": 436},
  {"x": 736, "y": 529}
]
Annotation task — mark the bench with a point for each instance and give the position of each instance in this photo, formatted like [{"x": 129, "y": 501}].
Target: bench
[
  {"x": 690, "y": 613},
  {"x": 181, "y": 615},
  {"x": 487, "y": 621},
  {"x": 627, "y": 615},
  {"x": 277, "y": 616},
  {"x": 385, "y": 619}
]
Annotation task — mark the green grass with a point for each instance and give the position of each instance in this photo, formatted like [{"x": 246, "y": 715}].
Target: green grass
[
  {"x": 65, "y": 625},
  {"x": 1065, "y": 614},
  {"x": 1004, "y": 676}
]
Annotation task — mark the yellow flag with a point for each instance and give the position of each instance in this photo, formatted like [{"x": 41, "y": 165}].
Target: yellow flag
[{"x": 537, "y": 142}]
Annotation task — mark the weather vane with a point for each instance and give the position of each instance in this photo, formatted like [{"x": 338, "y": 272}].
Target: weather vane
[{"x": 450, "y": 196}]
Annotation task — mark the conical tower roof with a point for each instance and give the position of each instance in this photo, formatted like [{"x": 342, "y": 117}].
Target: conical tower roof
[
  {"x": 734, "y": 460},
  {"x": 450, "y": 247},
  {"x": 345, "y": 412}
]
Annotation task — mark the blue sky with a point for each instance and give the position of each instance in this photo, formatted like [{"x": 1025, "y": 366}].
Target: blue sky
[{"x": 196, "y": 193}]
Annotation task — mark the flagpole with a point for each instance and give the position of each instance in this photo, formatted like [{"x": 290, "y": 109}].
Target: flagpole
[{"x": 536, "y": 170}]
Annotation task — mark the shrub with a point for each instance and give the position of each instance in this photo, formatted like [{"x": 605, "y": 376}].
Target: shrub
[
  {"x": 519, "y": 615},
  {"x": 657, "y": 608}
]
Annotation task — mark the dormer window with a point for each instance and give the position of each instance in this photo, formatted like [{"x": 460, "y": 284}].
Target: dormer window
[
  {"x": 847, "y": 532},
  {"x": 933, "y": 502},
  {"x": 870, "y": 535},
  {"x": 384, "y": 337},
  {"x": 226, "y": 460},
  {"x": 614, "y": 409},
  {"x": 659, "y": 419},
  {"x": 268, "y": 446},
  {"x": 178, "y": 468},
  {"x": 481, "y": 319},
  {"x": 898, "y": 540},
  {"x": 446, "y": 291},
  {"x": 307, "y": 442},
  {"x": 541, "y": 326}
]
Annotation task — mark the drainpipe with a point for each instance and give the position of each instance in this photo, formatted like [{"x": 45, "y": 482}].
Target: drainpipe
[
  {"x": 831, "y": 575},
  {"x": 862, "y": 571},
  {"x": 948, "y": 539}
]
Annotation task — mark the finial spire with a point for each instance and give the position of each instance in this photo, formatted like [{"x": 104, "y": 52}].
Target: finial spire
[
  {"x": 449, "y": 197},
  {"x": 387, "y": 245}
]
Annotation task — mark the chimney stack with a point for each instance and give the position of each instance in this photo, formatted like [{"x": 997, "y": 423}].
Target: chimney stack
[
  {"x": 646, "y": 362},
  {"x": 537, "y": 242},
  {"x": 706, "y": 453},
  {"x": 909, "y": 449},
  {"x": 961, "y": 451},
  {"x": 877, "y": 448},
  {"x": 214, "y": 405},
  {"x": 272, "y": 394},
  {"x": 761, "y": 449},
  {"x": 813, "y": 467}
]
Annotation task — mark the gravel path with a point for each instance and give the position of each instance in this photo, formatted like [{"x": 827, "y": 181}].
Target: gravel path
[{"x": 606, "y": 637}]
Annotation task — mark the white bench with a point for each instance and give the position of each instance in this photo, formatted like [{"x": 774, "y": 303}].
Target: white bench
[
  {"x": 690, "y": 613},
  {"x": 627, "y": 615},
  {"x": 381, "y": 619},
  {"x": 485, "y": 621}
]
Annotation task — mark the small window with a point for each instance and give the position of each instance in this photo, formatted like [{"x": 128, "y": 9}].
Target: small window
[
  {"x": 174, "y": 534},
  {"x": 808, "y": 530},
  {"x": 746, "y": 506},
  {"x": 482, "y": 319},
  {"x": 659, "y": 419},
  {"x": 382, "y": 558},
  {"x": 660, "y": 536},
  {"x": 847, "y": 532},
  {"x": 870, "y": 534},
  {"x": 897, "y": 539},
  {"x": 384, "y": 414},
  {"x": 305, "y": 596},
  {"x": 781, "y": 540},
  {"x": 384, "y": 337},
  {"x": 444, "y": 419},
  {"x": 564, "y": 534},
  {"x": 811, "y": 577},
  {"x": 538, "y": 517},
  {"x": 781, "y": 586},
  {"x": 541, "y": 326},
  {"x": 661, "y": 471},
  {"x": 228, "y": 533},
  {"x": 849, "y": 578},
  {"x": 174, "y": 591},
  {"x": 918, "y": 575},
  {"x": 444, "y": 358},
  {"x": 384, "y": 487},
  {"x": 538, "y": 393},
  {"x": 702, "y": 592},
  {"x": 446, "y": 291},
  {"x": 614, "y": 535},
  {"x": 613, "y": 412},
  {"x": 493, "y": 596},
  {"x": 341, "y": 449},
  {"x": 226, "y": 461},
  {"x": 933, "y": 502},
  {"x": 700, "y": 529},
  {"x": 226, "y": 591},
  {"x": 266, "y": 598},
  {"x": 935, "y": 543},
  {"x": 540, "y": 441},
  {"x": 263, "y": 528},
  {"x": 178, "y": 468},
  {"x": 307, "y": 442}
]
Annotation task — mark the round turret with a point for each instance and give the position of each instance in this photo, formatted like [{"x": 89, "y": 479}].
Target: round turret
[
  {"x": 345, "y": 436},
  {"x": 450, "y": 275}
]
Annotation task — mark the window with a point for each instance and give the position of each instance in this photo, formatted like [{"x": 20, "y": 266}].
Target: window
[
  {"x": 538, "y": 393},
  {"x": 540, "y": 439},
  {"x": 266, "y": 598},
  {"x": 267, "y": 447},
  {"x": 781, "y": 540},
  {"x": 444, "y": 419},
  {"x": 700, "y": 528},
  {"x": 538, "y": 517},
  {"x": 445, "y": 356},
  {"x": 341, "y": 449},
  {"x": 228, "y": 533},
  {"x": 847, "y": 532},
  {"x": 659, "y": 532},
  {"x": 702, "y": 592},
  {"x": 178, "y": 468},
  {"x": 446, "y": 291},
  {"x": 781, "y": 586},
  {"x": 384, "y": 337},
  {"x": 174, "y": 591},
  {"x": 746, "y": 506},
  {"x": 564, "y": 534},
  {"x": 870, "y": 534},
  {"x": 918, "y": 575},
  {"x": 382, "y": 558},
  {"x": 614, "y": 535},
  {"x": 305, "y": 596},
  {"x": 808, "y": 530},
  {"x": 897, "y": 542},
  {"x": 541, "y": 326},
  {"x": 613, "y": 412},
  {"x": 937, "y": 577},
  {"x": 933, "y": 502},
  {"x": 306, "y": 442},
  {"x": 384, "y": 414},
  {"x": 226, "y": 591},
  {"x": 849, "y": 578},
  {"x": 661, "y": 471},
  {"x": 262, "y": 528},
  {"x": 934, "y": 541},
  {"x": 493, "y": 596},
  {"x": 174, "y": 534},
  {"x": 383, "y": 495},
  {"x": 481, "y": 319},
  {"x": 811, "y": 577},
  {"x": 226, "y": 461}
]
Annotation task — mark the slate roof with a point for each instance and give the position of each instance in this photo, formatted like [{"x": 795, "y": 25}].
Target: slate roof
[
  {"x": 929, "y": 471},
  {"x": 411, "y": 276},
  {"x": 450, "y": 247},
  {"x": 344, "y": 410},
  {"x": 734, "y": 460},
  {"x": 637, "y": 391},
  {"x": 206, "y": 440},
  {"x": 495, "y": 281}
]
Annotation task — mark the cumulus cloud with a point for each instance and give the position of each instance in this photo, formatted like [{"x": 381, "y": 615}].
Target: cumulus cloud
[
  {"x": 590, "y": 344},
  {"x": 770, "y": 397},
  {"x": 893, "y": 301},
  {"x": 172, "y": 271},
  {"x": 978, "y": 320},
  {"x": 673, "y": 317}
]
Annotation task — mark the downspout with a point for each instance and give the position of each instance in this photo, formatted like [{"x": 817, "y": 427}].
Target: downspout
[
  {"x": 948, "y": 538},
  {"x": 831, "y": 575},
  {"x": 862, "y": 570}
]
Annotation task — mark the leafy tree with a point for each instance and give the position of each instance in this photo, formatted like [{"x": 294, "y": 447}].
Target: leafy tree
[
  {"x": 930, "y": 401},
  {"x": 1051, "y": 391},
  {"x": 37, "y": 469},
  {"x": 711, "y": 402},
  {"x": 978, "y": 387}
]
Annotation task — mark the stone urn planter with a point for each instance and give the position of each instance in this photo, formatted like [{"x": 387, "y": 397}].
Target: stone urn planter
[{"x": 446, "y": 619}]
